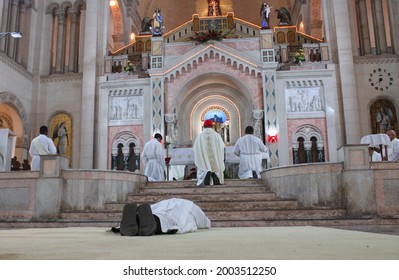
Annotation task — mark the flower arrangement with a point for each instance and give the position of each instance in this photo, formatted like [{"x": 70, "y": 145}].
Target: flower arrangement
[
  {"x": 129, "y": 66},
  {"x": 299, "y": 56},
  {"x": 204, "y": 37}
]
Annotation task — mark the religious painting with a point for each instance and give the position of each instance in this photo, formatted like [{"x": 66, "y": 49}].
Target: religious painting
[
  {"x": 221, "y": 121},
  {"x": 383, "y": 116},
  {"x": 60, "y": 131}
]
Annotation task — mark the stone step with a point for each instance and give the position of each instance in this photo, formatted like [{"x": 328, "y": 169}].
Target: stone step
[
  {"x": 218, "y": 205},
  {"x": 202, "y": 197},
  {"x": 193, "y": 183},
  {"x": 205, "y": 190},
  {"x": 276, "y": 214},
  {"x": 220, "y": 215},
  {"x": 358, "y": 223}
]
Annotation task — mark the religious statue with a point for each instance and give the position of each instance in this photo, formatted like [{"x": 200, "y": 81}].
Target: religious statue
[
  {"x": 158, "y": 28},
  {"x": 146, "y": 25},
  {"x": 265, "y": 15},
  {"x": 214, "y": 8},
  {"x": 284, "y": 16},
  {"x": 61, "y": 133}
]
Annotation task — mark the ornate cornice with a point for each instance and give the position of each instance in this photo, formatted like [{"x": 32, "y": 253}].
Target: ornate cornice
[
  {"x": 11, "y": 64},
  {"x": 60, "y": 78},
  {"x": 126, "y": 92},
  {"x": 304, "y": 83},
  {"x": 376, "y": 59}
]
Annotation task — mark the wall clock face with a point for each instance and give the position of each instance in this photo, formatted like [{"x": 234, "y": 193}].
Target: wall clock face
[{"x": 380, "y": 79}]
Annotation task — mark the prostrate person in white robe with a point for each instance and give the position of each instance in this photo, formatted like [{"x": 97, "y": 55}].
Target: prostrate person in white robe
[
  {"x": 249, "y": 148},
  {"x": 181, "y": 215},
  {"x": 209, "y": 156},
  {"x": 41, "y": 145},
  {"x": 168, "y": 216},
  {"x": 154, "y": 159}
]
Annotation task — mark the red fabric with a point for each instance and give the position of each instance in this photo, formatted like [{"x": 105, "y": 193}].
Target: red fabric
[{"x": 208, "y": 123}]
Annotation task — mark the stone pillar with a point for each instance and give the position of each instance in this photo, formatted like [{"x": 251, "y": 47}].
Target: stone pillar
[
  {"x": 364, "y": 28},
  {"x": 346, "y": 71},
  {"x": 59, "y": 60},
  {"x": 73, "y": 42},
  {"x": 308, "y": 151},
  {"x": 114, "y": 159},
  {"x": 93, "y": 9},
  {"x": 4, "y": 23},
  {"x": 12, "y": 27},
  {"x": 126, "y": 154},
  {"x": 380, "y": 28},
  {"x": 295, "y": 153},
  {"x": 21, "y": 23},
  {"x": 320, "y": 151},
  {"x": 137, "y": 156}
]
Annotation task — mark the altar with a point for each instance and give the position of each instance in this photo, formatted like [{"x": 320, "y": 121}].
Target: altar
[{"x": 184, "y": 158}]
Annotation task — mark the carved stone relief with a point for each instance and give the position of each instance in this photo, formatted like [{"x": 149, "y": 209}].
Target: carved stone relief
[
  {"x": 126, "y": 105},
  {"x": 308, "y": 99}
]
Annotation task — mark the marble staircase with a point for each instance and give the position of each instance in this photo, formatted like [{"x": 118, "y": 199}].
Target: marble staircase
[{"x": 236, "y": 203}]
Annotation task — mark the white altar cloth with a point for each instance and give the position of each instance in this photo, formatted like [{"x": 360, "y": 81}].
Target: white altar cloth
[{"x": 185, "y": 156}]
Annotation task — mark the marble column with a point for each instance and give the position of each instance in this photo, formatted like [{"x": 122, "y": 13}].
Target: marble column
[
  {"x": 59, "y": 60},
  {"x": 4, "y": 22},
  {"x": 380, "y": 28},
  {"x": 364, "y": 28},
  {"x": 346, "y": 71},
  {"x": 21, "y": 23},
  {"x": 320, "y": 151},
  {"x": 90, "y": 41},
  {"x": 126, "y": 154},
  {"x": 12, "y": 27},
  {"x": 114, "y": 163},
  {"x": 72, "y": 41},
  {"x": 308, "y": 150},
  {"x": 295, "y": 153}
]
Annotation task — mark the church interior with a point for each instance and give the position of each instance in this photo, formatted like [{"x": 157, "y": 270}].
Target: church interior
[
  {"x": 115, "y": 85},
  {"x": 311, "y": 76}
]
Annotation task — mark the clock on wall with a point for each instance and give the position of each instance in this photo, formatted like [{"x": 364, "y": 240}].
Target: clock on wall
[{"x": 380, "y": 79}]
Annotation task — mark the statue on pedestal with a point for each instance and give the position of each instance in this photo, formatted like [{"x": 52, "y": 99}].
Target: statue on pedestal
[
  {"x": 158, "y": 28},
  {"x": 265, "y": 15}
]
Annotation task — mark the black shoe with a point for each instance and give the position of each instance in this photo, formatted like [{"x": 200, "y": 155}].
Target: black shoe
[
  {"x": 129, "y": 225},
  {"x": 207, "y": 180},
  {"x": 254, "y": 175},
  {"x": 147, "y": 224},
  {"x": 215, "y": 178}
]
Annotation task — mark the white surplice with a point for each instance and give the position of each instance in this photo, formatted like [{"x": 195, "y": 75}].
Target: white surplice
[
  {"x": 154, "y": 159},
  {"x": 249, "y": 148},
  {"x": 181, "y": 214},
  {"x": 209, "y": 155},
  {"x": 41, "y": 145}
]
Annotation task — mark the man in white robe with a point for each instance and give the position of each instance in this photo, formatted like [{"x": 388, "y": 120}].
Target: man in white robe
[
  {"x": 249, "y": 148},
  {"x": 154, "y": 159},
  {"x": 393, "y": 148},
  {"x": 41, "y": 145},
  {"x": 181, "y": 215},
  {"x": 209, "y": 156}
]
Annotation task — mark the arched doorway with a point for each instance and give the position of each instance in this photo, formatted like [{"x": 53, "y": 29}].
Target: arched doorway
[{"x": 206, "y": 92}]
